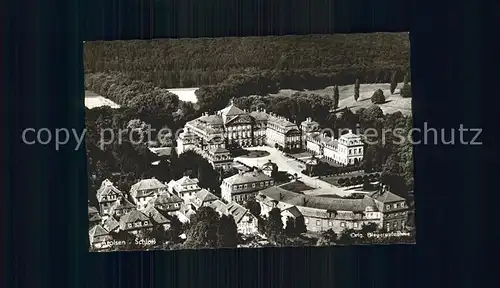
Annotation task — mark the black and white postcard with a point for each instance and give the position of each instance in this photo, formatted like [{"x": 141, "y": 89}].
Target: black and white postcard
[{"x": 248, "y": 142}]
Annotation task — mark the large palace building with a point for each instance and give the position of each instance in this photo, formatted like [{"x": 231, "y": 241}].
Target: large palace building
[{"x": 212, "y": 136}]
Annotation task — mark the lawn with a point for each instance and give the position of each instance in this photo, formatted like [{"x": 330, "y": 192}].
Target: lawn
[
  {"x": 253, "y": 154},
  {"x": 296, "y": 186}
]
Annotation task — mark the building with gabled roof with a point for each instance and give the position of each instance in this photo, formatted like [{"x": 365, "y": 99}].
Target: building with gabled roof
[
  {"x": 244, "y": 185},
  {"x": 98, "y": 237},
  {"x": 246, "y": 222},
  {"x": 184, "y": 213},
  {"x": 184, "y": 187},
  {"x": 167, "y": 202},
  {"x": 157, "y": 217},
  {"x": 145, "y": 190},
  {"x": 111, "y": 225},
  {"x": 347, "y": 150},
  {"x": 324, "y": 213},
  {"x": 107, "y": 195},
  {"x": 121, "y": 207},
  {"x": 203, "y": 198},
  {"x": 94, "y": 217},
  {"x": 394, "y": 208},
  {"x": 135, "y": 221}
]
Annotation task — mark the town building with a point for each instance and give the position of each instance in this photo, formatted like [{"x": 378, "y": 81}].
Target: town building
[
  {"x": 107, "y": 195},
  {"x": 121, "y": 207},
  {"x": 111, "y": 225},
  {"x": 185, "y": 188},
  {"x": 244, "y": 185},
  {"x": 347, "y": 150},
  {"x": 99, "y": 237},
  {"x": 232, "y": 127},
  {"x": 94, "y": 217},
  {"x": 246, "y": 222},
  {"x": 184, "y": 213},
  {"x": 157, "y": 217},
  {"x": 395, "y": 209},
  {"x": 322, "y": 213},
  {"x": 135, "y": 221},
  {"x": 145, "y": 190},
  {"x": 167, "y": 202},
  {"x": 203, "y": 198}
]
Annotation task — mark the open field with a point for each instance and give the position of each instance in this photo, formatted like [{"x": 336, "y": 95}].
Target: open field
[
  {"x": 185, "y": 94},
  {"x": 93, "y": 100},
  {"x": 393, "y": 104}
]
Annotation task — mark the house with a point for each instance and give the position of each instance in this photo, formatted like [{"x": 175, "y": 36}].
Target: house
[
  {"x": 246, "y": 222},
  {"x": 107, "y": 195},
  {"x": 99, "y": 237},
  {"x": 184, "y": 187},
  {"x": 167, "y": 202},
  {"x": 135, "y": 221},
  {"x": 269, "y": 167},
  {"x": 321, "y": 213},
  {"x": 157, "y": 217},
  {"x": 219, "y": 207},
  {"x": 184, "y": 213},
  {"x": 203, "y": 198},
  {"x": 121, "y": 207},
  {"x": 111, "y": 225},
  {"x": 145, "y": 190},
  {"x": 94, "y": 217},
  {"x": 395, "y": 210},
  {"x": 244, "y": 185},
  {"x": 347, "y": 150}
]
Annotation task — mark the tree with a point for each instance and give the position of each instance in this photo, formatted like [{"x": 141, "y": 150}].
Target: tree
[
  {"x": 290, "y": 227},
  {"x": 300, "y": 225},
  {"x": 378, "y": 97},
  {"x": 174, "y": 230},
  {"x": 253, "y": 206},
  {"x": 336, "y": 97},
  {"x": 274, "y": 225},
  {"x": 406, "y": 91},
  {"x": 356, "y": 90},
  {"x": 394, "y": 83},
  {"x": 203, "y": 229},
  {"x": 328, "y": 237},
  {"x": 227, "y": 232}
]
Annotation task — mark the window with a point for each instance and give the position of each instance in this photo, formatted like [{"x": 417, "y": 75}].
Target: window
[
  {"x": 395, "y": 205},
  {"x": 388, "y": 227},
  {"x": 145, "y": 222},
  {"x": 318, "y": 222},
  {"x": 245, "y": 186},
  {"x": 403, "y": 223},
  {"x": 342, "y": 224},
  {"x": 387, "y": 207},
  {"x": 402, "y": 204},
  {"x": 355, "y": 225},
  {"x": 137, "y": 224},
  {"x": 306, "y": 220},
  {"x": 330, "y": 223},
  {"x": 271, "y": 182},
  {"x": 261, "y": 184},
  {"x": 240, "y": 186},
  {"x": 395, "y": 224},
  {"x": 129, "y": 225},
  {"x": 253, "y": 185},
  {"x": 350, "y": 151}
]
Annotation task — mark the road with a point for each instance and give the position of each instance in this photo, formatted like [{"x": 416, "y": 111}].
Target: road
[{"x": 291, "y": 166}]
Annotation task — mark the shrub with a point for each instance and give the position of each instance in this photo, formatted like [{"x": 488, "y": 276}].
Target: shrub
[{"x": 378, "y": 97}]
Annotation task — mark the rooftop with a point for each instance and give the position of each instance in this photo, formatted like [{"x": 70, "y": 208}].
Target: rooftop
[
  {"x": 205, "y": 195},
  {"x": 148, "y": 184},
  {"x": 133, "y": 216},
  {"x": 236, "y": 210},
  {"x": 247, "y": 177}
]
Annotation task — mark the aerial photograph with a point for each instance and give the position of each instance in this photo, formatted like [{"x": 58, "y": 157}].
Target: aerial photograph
[{"x": 249, "y": 142}]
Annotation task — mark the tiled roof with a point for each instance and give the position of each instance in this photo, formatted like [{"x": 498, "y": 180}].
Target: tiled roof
[
  {"x": 211, "y": 119},
  {"x": 219, "y": 150},
  {"x": 148, "y": 184},
  {"x": 110, "y": 224},
  {"x": 323, "y": 203},
  {"x": 121, "y": 204},
  {"x": 386, "y": 196},
  {"x": 106, "y": 190},
  {"x": 218, "y": 206},
  {"x": 166, "y": 198},
  {"x": 247, "y": 177},
  {"x": 231, "y": 110},
  {"x": 350, "y": 135},
  {"x": 92, "y": 210},
  {"x": 269, "y": 165},
  {"x": 154, "y": 214},
  {"x": 326, "y": 141},
  {"x": 94, "y": 217},
  {"x": 294, "y": 211},
  {"x": 186, "y": 180},
  {"x": 162, "y": 151},
  {"x": 133, "y": 216},
  {"x": 97, "y": 230},
  {"x": 259, "y": 115},
  {"x": 205, "y": 195},
  {"x": 237, "y": 211}
]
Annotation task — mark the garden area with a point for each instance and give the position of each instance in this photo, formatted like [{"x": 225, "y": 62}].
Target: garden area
[
  {"x": 353, "y": 179},
  {"x": 296, "y": 186},
  {"x": 249, "y": 154}
]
